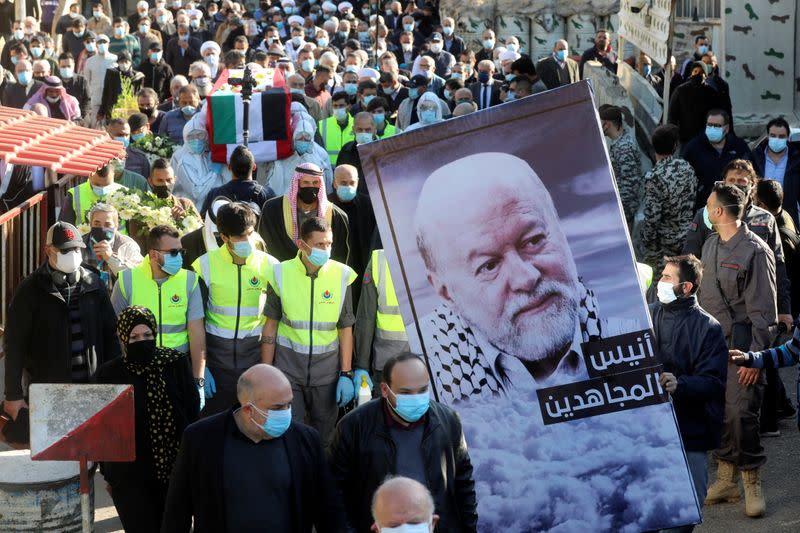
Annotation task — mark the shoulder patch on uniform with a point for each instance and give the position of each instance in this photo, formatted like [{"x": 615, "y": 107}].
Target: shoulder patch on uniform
[
  {"x": 692, "y": 226},
  {"x": 367, "y": 278},
  {"x": 732, "y": 266}
]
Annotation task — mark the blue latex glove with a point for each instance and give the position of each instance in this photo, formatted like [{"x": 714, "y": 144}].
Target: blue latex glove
[
  {"x": 202, "y": 397},
  {"x": 210, "y": 387},
  {"x": 345, "y": 391},
  {"x": 357, "y": 375}
]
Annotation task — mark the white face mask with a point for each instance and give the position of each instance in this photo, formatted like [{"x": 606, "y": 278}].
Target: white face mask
[
  {"x": 666, "y": 292},
  {"x": 424, "y": 527},
  {"x": 69, "y": 263}
]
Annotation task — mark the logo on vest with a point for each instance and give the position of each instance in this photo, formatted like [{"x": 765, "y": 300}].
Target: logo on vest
[
  {"x": 327, "y": 298},
  {"x": 176, "y": 298},
  {"x": 254, "y": 281}
]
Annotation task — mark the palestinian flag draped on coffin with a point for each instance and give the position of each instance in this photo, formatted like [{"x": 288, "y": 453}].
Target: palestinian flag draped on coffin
[{"x": 270, "y": 120}]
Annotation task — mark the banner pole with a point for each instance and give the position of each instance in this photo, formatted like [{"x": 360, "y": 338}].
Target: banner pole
[{"x": 86, "y": 521}]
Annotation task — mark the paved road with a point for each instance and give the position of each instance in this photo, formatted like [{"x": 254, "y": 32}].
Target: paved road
[{"x": 780, "y": 483}]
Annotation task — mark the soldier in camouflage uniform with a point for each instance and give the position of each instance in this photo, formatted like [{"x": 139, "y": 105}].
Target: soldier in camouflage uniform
[
  {"x": 741, "y": 173},
  {"x": 625, "y": 160},
  {"x": 669, "y": 193}
]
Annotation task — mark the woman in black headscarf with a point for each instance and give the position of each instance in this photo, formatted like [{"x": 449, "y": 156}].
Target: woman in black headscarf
[{"x": 166, "y": 401}]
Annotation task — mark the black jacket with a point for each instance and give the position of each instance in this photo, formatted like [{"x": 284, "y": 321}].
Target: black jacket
[
  {"x": 691, "y": 346},
  {"x": 180, "y": 62},
  {"x": 791, "y": 178},
  {"x": 362, "y": 454},
  {"x": 688, "y": 107},
  {"x": 37, "y": 330},
  {"x": 708, "y": 163},
  {"x": 196, "y": 485},
  {"x": 78, "y": 87},
  {"x": 157, "y": 77},
  {"x": 185, "y": 402}
]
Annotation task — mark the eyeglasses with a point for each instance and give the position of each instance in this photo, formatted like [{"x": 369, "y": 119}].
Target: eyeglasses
[{"x": 174, "y": 252}]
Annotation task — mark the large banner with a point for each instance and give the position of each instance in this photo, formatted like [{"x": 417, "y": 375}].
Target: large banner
[{"x": 515, "y": 276}]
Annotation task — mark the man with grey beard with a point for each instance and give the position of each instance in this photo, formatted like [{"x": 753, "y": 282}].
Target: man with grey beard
[{"x": 513, "y": 311}]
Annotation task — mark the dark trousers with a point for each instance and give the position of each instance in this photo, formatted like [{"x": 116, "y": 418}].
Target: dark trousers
[
  {"x": 741, "y": 443},
  {"x": 316, "y": 406},
  {"x": 140, "y": 505},
  {"x": 225, "y": 397}
]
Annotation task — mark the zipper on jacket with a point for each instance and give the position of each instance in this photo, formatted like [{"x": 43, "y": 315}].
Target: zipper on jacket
[
  {"x": 238, "y": 313},
  {"x": 160, "y": 326},
  {"x": 310, "y": 333}
]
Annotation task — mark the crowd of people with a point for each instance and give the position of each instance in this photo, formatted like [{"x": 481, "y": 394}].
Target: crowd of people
[{"x": 248, "y": 339}]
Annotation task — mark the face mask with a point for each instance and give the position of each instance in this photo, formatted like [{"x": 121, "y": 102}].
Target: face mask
[
  {"x": 69, "y": 263},
  {"x": 367, "y": 99},
  {"x": 101, "y": 191},
  {"x": 172, "y": 264},
  {"x": 297, "y": 41},
  {"x": 54, "y": 100},
  {"x": 448, "y": 30},
  {"x": 428, "y": 116},
  {"x": 141, "y": 351},
  {"x": 408, "y": 27},
  {"x": 483, "y": 76},
  {"x": 363, "y": 138},
  {"x": 276, "y": 423},
  {"x": 102, "y": 234},
  {"x": 96, "y": 14},
  {"x": 318, "y": 257},
  {"x": 137, "y": 136},
  {"x": 162, "y": 19},
  {"x": 194, "y": 23},
  {"x": 345, "y": 194},
  {"x": 365, "y": 12},
  {"x": 102, "y": 48},
  {"x": 413, "y": 93},
  {"x": 307, "y": 65},
  {"x": 488, "y": 43},
  {"x": 188, "y": 110},
  {"x": 308, "y": 195},
  {"x": 37, "y": 52},
  {"x": 512, "y": 47},
  {"x": 242, "y": 248},
  {"x": 363, "y": 36},
  {"x": 322, "y": 42},
  {"x": 162, "y": 191},
  {"x": 702, "y": 49},
  {"x": 19, "y": 35},
  {"x": 436, "y": 48},
  {"x": 714, "y": 133},
  {"x": 212, "y": 60},
  {"x": 351, "y": 88},
  {"x": 408, "y": 528},
  {"x": 124, "y": 140},
  {"x": 66, "y": 72},
  {"x": 340, "y": 113},
  {"x": 90, "y": 47},
  {"x": 646, "y": 70},
  {"x": 706, "y": 219},
  {"x": 509, "y": 77},
  {"x": 184, "y": 37},
  {"x": 147, "y": 111},
  {"x": 561, "y": 55},
  {"x": 77, "y": 34},
  {"x": 666, "y": 292},
  {"x": 456, "y": 76},
  {"x": 510, "y": 96},
  {"x": 406, "y": 47},
  {"x": 777, "y": 145},
  {"x": 197, "y": 146},
  {"x": 155, "y": 57},
  {"x": 24, "y": 77},
  {"x": 379, "y": 118},
  {"x": 119, "y": 32},
  {"x": 302, "y": 147},
  {"x": 411, "y": 407}
]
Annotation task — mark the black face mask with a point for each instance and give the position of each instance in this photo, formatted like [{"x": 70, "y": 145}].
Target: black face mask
[
  {"x": 162, "y": 191},
  {"x": 307, "y": 195},
  {"x": 140, "y": 352},
  {"x": 102, "y": 234},
  {"x": 148, "y": 111}
]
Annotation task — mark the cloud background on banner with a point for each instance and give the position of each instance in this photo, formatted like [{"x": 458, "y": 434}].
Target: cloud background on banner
[{"x": 584, "y": 475}]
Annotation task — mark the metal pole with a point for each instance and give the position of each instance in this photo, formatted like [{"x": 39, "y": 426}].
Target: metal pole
[
  {"x": 86, "y": 519},
  {"x": 247, "y": 91}
]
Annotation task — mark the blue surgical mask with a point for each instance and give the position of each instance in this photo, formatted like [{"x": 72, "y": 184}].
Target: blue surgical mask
[
  {"x": 351, "y": 88},
  {"x": 428, "y": 116},
  {"x": 197, "y": 146},
  {"x": 411, "y": 407},
  {"x": 702, "y": 49},
  {"x": 447, "y": 94},
  {"x": 302, "y": 147},
  {"x": 340, "y": 113},
  {"x": 511, "y": 47},
  {"x": 308, "y": 65},
  {"x": 144, "y": 28},
  {"x": 448, "y": 30},
  {"x": 510, "y": 77},
  {"x": 90, "y": 47},
  {"x": 456, "y": 76},
  {"x": 24, "y": 77},
  {"x": 188, "y": 110},
  {"x": 276, "y": 423},
  {"x": 19, "y": 34},
  {"x": 318, "y": 257},
  {"x": 363, "y": 137},
  {"x": 137, "y": 136},
  {"x": 707, "y": 220},
  {"x": 322, "y": 42},
  {"x": 488, "y": 43},
  {"x": 172, "y": 264},
  {"x": 510, "y": 96},
  {"x": 242, "y": 248},
  {"x": 413, "y": 93},
  {"x": 342, "y": 35},
  {"x": 367, "y": 99},
  {"x": 714, "y": 133},
  {"x": 119, "y": 32},
  {"x": 78, "y": 34},
  {"x": 379, "y": 118},
  {"x": 646, "y": 70},
  {"x": 561, "y": 55},
  {"x": 66, "y": 73},
  {"x": 777, "y": 145},
  {"x": 345, "y": 194},
  {"x": 363, "y": 36},
  {"x": 124, "y": 140},
  {"x": 101, "y": 191},
  {"x": 408, "y": 27},
  {"x": 297, "y": 91},
  {"x": 155, "y": 57},
  {"x": 37, "y": 51}
]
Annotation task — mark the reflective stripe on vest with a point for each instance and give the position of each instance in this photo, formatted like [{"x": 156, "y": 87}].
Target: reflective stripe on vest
[
  {"x": 304, "y": 329},
  {"x": 227, "y": 315},
  {"x": 169, "y": 302},
  {"x": 388, "y": 322}
]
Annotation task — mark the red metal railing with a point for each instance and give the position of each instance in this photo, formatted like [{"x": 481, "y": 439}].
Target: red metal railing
[{"x": 23, "y": 231}]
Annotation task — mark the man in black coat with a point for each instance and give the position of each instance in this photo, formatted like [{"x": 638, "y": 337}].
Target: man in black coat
[
  {"x": 403, "y": 433},
  {"x": 690, "y": 103},
  {"x": 61, "y": 326},
  {"x": 692, "y": 348},
  {"x": 182, "y": 50},
  {"x": 252, "y": 469},
  {"x": 157, "y": 73},
  {"x": 75, "y": 84}
]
